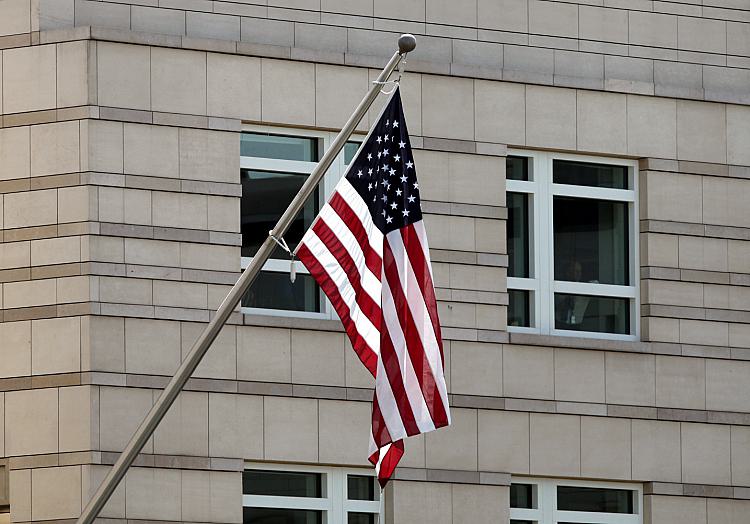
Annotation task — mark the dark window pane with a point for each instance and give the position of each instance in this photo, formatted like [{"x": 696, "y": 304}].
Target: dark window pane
[
  {"x": 272, "y": 290},
  {"x": 281, "y": 516},
  {"x": 571, "y": 498},
  {"x": 591, "y": 241},
  {"x": 592, "y": 313},
  {"x": 521, "y": 522},
  {"x": 279, "y": 147},
  {"x": 360, "y": 487},
  {"x": 518, "y": 308},
  {"x": 518, "y": 235},
  {"x": 522, "y": 496},
  {"x": 517, "y": 168},
  {"x": 360, "y": 518},
  {"x": 585, "y": 174},
  {"x": 350, "y": 149},
  {"x": 265, "y": 196},
  {"x": 281, "y": 483}
]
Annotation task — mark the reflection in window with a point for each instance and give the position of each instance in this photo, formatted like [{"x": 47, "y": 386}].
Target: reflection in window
[
  {"x": 587, "y": 174},
  {"x": 577, "y": 498},
  {"x": 279, "y": 147},
  {"x": 518, "y": 235},
  {"x": 517, "y": 168},
  {"x": 281, "y": 483},
  {"x": 519, "y": 308},
  {"x": 592, "y": 313}
]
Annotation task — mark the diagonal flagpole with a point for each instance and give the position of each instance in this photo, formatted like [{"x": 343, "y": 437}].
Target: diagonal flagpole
[{"x": 406, "y": 44}]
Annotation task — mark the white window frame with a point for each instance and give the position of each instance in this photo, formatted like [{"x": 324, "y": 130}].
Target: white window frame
[
  {"x": 546, "y": 512},
  {"x": 541, "y": 191},
  {"x": 331, "y": 178},
  {"x": 334, "y": 501}
]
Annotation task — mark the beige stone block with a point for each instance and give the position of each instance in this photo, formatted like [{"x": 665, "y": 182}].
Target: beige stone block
[
  {"x": 704, "y": 333},
  {"x": 579, "y": 375},
  {"x": 596, "y": 111},
  {"x": 680, "y": 382},
  {"x": 740, "y": 448},
  {"x": 739, "y": 256},
  {"x": 153, "y": 494},
  {"x": 76, "y": 289},
  {"x": 708, "y": 254},
  {"x": 652, "y": 126},
  {"x": 739, "y": 335},
  {"x": 111, "y": 204},
  {"x": 472, "y": 503},
  {"x": 553, "y": 18},
  {"x": 528, "y": 372},
  {"x": 77, "y": 433},
  {"x": 450, "y": 232},
  {"x": 103, "y": 344},
  {"x": 344, "y": 432},
  {"x": 92, "y": 477},
  {"x": 605, "y": 448},
  {"x": 221, "y": 359},
  {"x": 448, "y": 107},
  {"x": 454, "y": 447},
  {"x": 738, "y": 133},
  {"x": 124, "y": 75},
  {"x": 503, "y": 441},
  {"x": 500, "y": 108},
  {"x": 180, "y": 210},
  {"x": 209, "y": 155},
  {"x": 184, "y": 429},
  {"x": 457, "y": 177},
  {"x": 727, "y": 385},
  {"x": 479, "y": 278},
  {"x": 630, "y": 379},
  {"x": 233, "y": 86},
  {"x": 15, "y": 352},
  {"x": 14, "y": 255},
  {"x": 452, "y": 13},
  {"x": 671, "y": 196},
  {"x": 706, "y": 454},
  {"x": 61, "y": 250},
  {"x": 29, "y": 293},
  {"x": 701, "y": 131},
  {"x": 288, "y": 92},
  {"x": 72, "y": 74},
  {"x": 224, "y": 214},
  {"x": 419, "y": 502},
  {"x": 120, "y": 290},
  {"x": 210, "y": 257},
  {"x": 121, "y": 411},
  {"x": 659, "y": 250},
  {"x": 29, "y": 79},
  {"x": 101, "y": 146},
  {"x": 103, "y": 249},
  {"x": 180, "y": 294},
  {"x": 178, "y": 80},
  {"x": 19, "y": 484},
  {"x": 503, "y": 15},
  {"x": 550, "y": 117},
  {"x": 656, "y": 451},
  {"x": 235, "y": 426},
  {"x": 317, "y": 358},
  {"x": 357, "y": 375},
  {"x": 264, "y": 354},
  {"x": 490, "y": 235},
  {"x": 673, "y": 293},
  {"x": 152, "y": 252},
  {"x": 701, "y": 34},
  {"x": 56, "y": 345},
  {"x": 675, "y": 510},
  {"x": 548, "y": 435},
  {"x": 338, "y": 90},
  {"x": 15, "y": 17},
  {"x": 76, "y": 204},
  {"x": 31, "y": 423},
  {"x": 608, "y": 25},
  {"x": 151, "y": 150},
  {"x": 652, "y": 29},
  {"x": 56, "y": 493},
  {"x": 137, "y": 207},
  {"x": 31, "y": 208},
  {"x": 15, "y": 150},
  {"x": 152, "y": 346},
  {"x": 723, "y": 202},
  {"x": 282, "y": 418},
  {"x": 211, "y": 496},
  {"x": 477, "y": 369},
  {"x": 727, "y": 511}
]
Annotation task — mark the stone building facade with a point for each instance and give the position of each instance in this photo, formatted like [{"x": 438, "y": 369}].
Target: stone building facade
[{"x": 584, "y": 168}]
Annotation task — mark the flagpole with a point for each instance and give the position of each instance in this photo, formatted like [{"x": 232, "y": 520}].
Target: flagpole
[{"x": 406, "y": 44}]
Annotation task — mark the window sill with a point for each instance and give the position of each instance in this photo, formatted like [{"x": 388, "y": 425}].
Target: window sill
[
  {"x": 291, "y": 321},
  {"x": 534, "y": 339}
]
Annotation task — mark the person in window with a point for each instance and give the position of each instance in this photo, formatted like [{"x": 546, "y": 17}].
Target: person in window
[{"x": 571, "y": 309}]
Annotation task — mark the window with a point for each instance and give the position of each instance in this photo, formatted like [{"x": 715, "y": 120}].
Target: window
[
  {"x": 310, "y": 495},
  {"x": 536, "y": 501},
  {"x": 273, "y": 166},
  {"x": 572, "y": 249}
]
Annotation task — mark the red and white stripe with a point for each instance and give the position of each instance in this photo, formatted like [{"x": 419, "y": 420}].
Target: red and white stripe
[{"x": 382, "y": 289}]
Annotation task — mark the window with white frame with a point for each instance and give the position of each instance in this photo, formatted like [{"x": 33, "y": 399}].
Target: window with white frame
[
  {"x": 308, "y": 495},
  {"x": 572, "y": 245},
  {"x": 548, "y": 501},
  {"x": 274, "y": 164}
]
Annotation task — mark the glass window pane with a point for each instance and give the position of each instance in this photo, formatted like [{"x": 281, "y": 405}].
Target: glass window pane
[
  {"x": 518, "y": 234},
  {"x": 517, "y": 168},
  {"x": 360, "y": 518},
  {"x": 281, "y": 483},
  {"x": 591, "y": 241},
  {"x": 592, "y": 313},
  {"x": 519, "y": 308},
  {"x": 521, "y": 522},
  {"x": 265, "y": 196},
  {"x": 360, "y": 487},
  {"x": 350, "y": 149},
  {"x": 279, "y": 147},
  {"x": 573, "y": 498},
  {"x": 281, "y": 516},
  {"x": 586, "y": 174},
  {"x": 522, "y": 496},
  {"x": 274, "y": 290}
]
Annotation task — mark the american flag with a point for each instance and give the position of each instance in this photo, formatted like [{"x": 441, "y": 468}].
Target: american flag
[{"x": 367, "y": 249}]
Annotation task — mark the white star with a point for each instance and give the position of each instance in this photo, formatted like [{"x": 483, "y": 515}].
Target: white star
[
  {"x": 398, "y": 192},
  {"x": 387, "y": 186},
  {"x": 369, "y": 156},
  {"x": 405, "y": 212},
  {"x": 384, "y": 212},
  {"x": 397, "y": 158},
  {"x": 369, "y": 171},
  {"x": 409, "y": 164},
  {"x": 359, "y": 173},
  {"x": 388, "y": 220},
  {"x": 379, "y": 154},
  {"x": 403, "y": 178},
  {"x": 394, "y": 205},
  {"x": 385, "y": 167},
  {"x": 387, "y": 122},
  {"x": 385, "y": 152},
  {"x": 412, "y": 199},
  {"x": 392, "y": 172},
  {"x": 416, "y": 186},
  {"x": 376, "y": 183},
  {"x": 374, "y": 198},
  {"x": 395, "y": 123},
  {"x": 379, "y": 139},
  {"x": 386, "y": 137},
  {"x": 402, "y": 144},
  {"x": 369, "y": 187},
  {"x": 385, "y": 198}
]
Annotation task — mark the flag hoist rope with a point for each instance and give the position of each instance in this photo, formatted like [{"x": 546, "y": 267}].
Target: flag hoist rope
[{"x": 406, "y": 44}]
